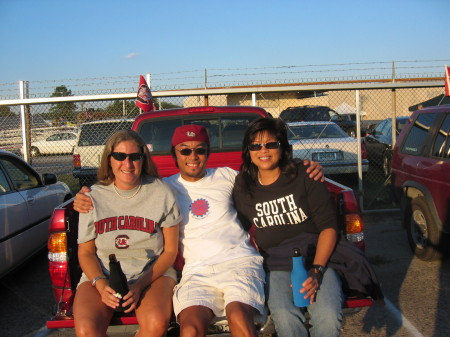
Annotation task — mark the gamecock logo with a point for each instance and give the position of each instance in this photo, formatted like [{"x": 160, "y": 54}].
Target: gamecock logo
[{"x": 122, "y": 241}]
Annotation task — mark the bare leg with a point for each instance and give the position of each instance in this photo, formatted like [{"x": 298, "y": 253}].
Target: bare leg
[
  {"x": 240, "y": 319},
  {"x": 194, "y": 321},
  {"x": 91, "y": 315},
  {"x": 155, "y": 308}
]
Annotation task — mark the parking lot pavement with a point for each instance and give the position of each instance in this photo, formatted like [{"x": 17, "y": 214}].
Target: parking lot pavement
[{"x": 416, "y": 291}]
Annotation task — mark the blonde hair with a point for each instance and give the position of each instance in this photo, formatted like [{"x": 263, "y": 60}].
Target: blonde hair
[{"x": 105, "y": 174}]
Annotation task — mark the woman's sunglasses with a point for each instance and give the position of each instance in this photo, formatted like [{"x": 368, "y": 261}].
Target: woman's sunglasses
[
  {"x": 197, "y": 150},
  {"x": 268, "y": 146},
  {"x": 120, "y": 156}
]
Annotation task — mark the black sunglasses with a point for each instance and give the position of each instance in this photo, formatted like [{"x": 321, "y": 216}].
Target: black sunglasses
[
  {"x": 268, "y": 146},
  {"x": 197, "y": 150},
  {"x": 120, "y": 156}
]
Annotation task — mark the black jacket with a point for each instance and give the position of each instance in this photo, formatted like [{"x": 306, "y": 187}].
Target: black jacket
[{"x": 358, "y": 276}]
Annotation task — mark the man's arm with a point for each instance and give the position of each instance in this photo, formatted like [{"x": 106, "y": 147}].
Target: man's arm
[
  {"x": 314, "y": 170},
  {"x": 82, "y": 202}
]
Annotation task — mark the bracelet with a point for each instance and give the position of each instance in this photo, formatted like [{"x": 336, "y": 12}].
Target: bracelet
[{"x": 98, "y": 278}]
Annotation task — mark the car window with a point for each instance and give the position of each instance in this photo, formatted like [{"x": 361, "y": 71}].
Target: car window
[
  {"x": 21, "y": 176},
  {"x": 53, "y": 137},
  {"x": 4, "y": 185},
  {"x": 400, "y": 124},
  {"x": 157, "y": 134},
  {"x": 70, "y": 136},
  {"x": 98, "y": 133},
  {"x": 441, "y": 146},
  {"x": 315, "y": 131},
  {"x": 379, "y": 128},
  {"x": 416, "y": 138},
  {"x": 225, "y": 132}
]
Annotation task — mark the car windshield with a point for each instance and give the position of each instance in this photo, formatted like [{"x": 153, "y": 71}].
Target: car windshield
[{"x": 315, "y": 131}]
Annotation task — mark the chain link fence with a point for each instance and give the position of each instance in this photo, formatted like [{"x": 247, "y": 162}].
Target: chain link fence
[{"x": 358, "y": 157}]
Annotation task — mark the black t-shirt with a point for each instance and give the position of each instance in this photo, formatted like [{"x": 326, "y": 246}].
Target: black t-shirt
[{"x": 286, "y": 208}]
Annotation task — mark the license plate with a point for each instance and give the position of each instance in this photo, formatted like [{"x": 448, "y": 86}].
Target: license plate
[{"x": 327, "y": 156}]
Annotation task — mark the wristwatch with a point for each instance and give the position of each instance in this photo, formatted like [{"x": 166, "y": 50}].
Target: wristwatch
[{"x": 318, "y": 270}]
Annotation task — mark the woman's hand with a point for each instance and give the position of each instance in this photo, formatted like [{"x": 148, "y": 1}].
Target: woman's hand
[
  {"x": 310, "y": 287},
  {"x": 315, "y": 170},
  {"x": 132, "y": 297},
  {"x": 82, "y": 202},
  {"x": 107, "y": 294}
]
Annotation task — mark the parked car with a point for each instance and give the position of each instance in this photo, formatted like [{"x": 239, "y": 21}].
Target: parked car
[
  {"x": 308, "y": 113},
  {"x": 89, "y": 147},
  {"x": 27, "y": 201},
  {"x": 421, "y": 181},
  {"x": 378, "y": 143},
  {"x": 58, "y": 143},
  {"x": 328, "y": 144}
]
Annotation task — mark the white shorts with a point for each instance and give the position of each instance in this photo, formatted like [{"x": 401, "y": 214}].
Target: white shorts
[{"x": 237, "y": 280}]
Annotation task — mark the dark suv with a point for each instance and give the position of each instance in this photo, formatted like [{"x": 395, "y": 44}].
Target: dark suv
[
  {"x": 421, "y": 180},
  {"x": 314, "y": 113}
]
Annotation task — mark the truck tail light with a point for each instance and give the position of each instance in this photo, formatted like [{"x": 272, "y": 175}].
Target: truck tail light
[
  {"x": 57, "y": 243},
  {"x": 363, "y": 151},
  {"x": 57, "y": 257},
  {"x": 354, "y": 223},
  {"x": 76, "y": 161}
]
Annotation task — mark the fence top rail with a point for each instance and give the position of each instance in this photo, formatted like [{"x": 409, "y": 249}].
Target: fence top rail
[{"x": 381, "y": 84}]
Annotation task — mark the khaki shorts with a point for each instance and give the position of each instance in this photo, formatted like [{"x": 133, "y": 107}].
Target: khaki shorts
[{"x": 237, "y": 280}]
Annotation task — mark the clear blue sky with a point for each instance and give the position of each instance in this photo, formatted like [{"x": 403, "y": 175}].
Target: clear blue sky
[{"x": 44, "y": 40}]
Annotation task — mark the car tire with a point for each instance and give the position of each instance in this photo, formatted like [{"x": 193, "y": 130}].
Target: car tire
[
  {"x": 35, "y": 151},
  {"x": 424, "y": 236}
]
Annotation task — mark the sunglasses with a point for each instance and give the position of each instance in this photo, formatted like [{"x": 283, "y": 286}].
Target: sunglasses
[
  {"x": 197, "y": 150},
  {"x": 120, "y": 156},
  {"x": 268, "y": 146}
]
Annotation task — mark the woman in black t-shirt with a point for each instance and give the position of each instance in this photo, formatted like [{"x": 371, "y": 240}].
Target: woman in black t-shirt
[{"x": 274, "y": 193}]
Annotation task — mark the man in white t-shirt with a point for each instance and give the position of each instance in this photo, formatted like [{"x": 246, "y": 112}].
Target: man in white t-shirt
[{"x": 223, "y": 273}]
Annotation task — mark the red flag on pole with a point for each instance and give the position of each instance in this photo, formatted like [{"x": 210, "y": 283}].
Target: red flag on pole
[
  {"x": 144, "y": 96},
  {"x": 447, "y": 80}
]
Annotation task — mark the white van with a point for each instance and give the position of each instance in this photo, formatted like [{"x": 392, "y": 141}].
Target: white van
[{"x": 89, "y": 147}]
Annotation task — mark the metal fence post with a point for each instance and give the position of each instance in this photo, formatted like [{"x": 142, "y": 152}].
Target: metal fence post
[
  {"x": 358, "y": 137},
  {"x": 25, "y": 121}
]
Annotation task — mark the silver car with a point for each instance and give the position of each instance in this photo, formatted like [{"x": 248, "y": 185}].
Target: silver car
[
  {"x": 328, "y": 144},
  {"x": 27, "y": 201}
]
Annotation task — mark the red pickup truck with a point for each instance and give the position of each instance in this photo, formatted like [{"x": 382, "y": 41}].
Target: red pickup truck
[{"x": 226, "y": 126}]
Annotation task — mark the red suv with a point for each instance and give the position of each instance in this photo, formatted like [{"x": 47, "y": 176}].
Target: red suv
[{"x": 421, "y": 180}]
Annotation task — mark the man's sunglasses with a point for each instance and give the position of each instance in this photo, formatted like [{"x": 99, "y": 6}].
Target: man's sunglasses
[
  {"x": 268, "y": 146},
  {"x": 120, "y": 156},
  {"x": 197, "y": 150}
]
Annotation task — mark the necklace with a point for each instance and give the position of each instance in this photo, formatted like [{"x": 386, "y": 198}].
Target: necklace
[
  {"x": 128, "y": 196},
  {"x": 259, "y": 179}
]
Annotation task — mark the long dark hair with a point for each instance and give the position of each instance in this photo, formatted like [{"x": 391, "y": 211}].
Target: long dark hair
[{"x": 277, "y": 128}]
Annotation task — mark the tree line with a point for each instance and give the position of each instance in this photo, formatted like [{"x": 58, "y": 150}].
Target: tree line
[{"x": 71, "y": 112}]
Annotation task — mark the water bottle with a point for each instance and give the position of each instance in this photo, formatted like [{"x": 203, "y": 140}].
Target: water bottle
[
  {"x": 117, "y": 281},
  {"x": 298, "y": 276}
]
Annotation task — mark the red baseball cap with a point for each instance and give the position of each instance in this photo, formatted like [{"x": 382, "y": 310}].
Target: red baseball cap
[{"x": 190, "y": 132}]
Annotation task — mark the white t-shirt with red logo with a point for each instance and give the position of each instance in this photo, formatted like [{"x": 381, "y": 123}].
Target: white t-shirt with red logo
[
  {"x": 210, "y": 232},
  {"x": 129, "y": 228}
]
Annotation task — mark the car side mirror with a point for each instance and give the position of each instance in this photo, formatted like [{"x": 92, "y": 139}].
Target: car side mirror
[{"x": 49, "y": 178}]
